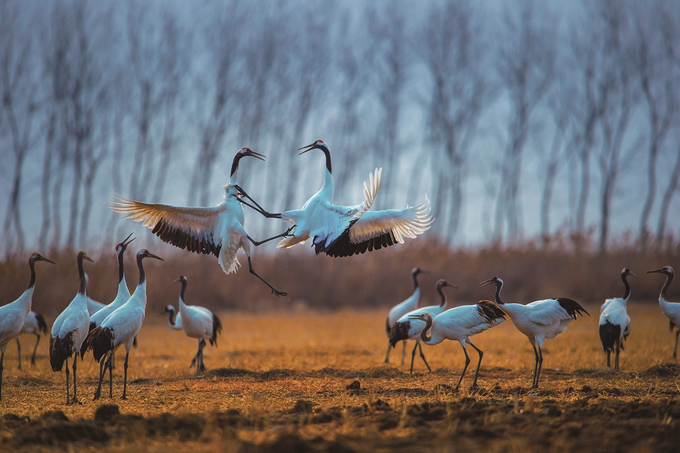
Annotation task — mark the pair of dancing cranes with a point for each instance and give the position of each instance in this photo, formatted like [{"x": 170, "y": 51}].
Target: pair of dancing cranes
[{"x": 539, "y": 320}]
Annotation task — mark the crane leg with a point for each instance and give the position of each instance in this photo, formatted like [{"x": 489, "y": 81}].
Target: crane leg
[
  {"x": 413, "y": 356},
  {"x": 534, "y": 384},
  {"x": 109, "y": 364},
  {"x": 75, "y": 361},
  {"x": 609, "y": 352},
  {"x": 675, "y": 350},
  {"x": 202, "y": 362},
  {"x": 125, "y": 367},
  {"x": 18, "y": 350},
  {"x": 387, "y": 355},
  {"x": 479, "y": 364},
  {"x": 616, "y": 357},
  {"x": 467, "y": 362},
  {"x": 68, "y": 401},
  {"x": 422, "y": 356},
  {"x": 2, "y": 367},
  {"x": 403, "y": 351},
  {"x": 257, "y": 207},
  {"x": 274, "y": 290},
  {"x": 35, "y": 348},
  {"x": 282, "y": 235},
  {"x": 102, "y": 370},
  {"x": 540, "y": 365}
]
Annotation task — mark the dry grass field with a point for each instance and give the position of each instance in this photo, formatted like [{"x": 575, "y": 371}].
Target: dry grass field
[{"x": 309, "y": 382}]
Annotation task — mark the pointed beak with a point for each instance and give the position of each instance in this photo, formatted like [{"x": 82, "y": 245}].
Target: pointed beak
[
  {"x": 632, "y": 273},
  {"x": 42, "y": 258},
  {"x": 127, "y": 242},
  {"x": 660, "y": 271},
  {"x": 162, "y": 312},
  {"x": 256, "y": 155},
  {"x": 424, "y": 272},
  {"x": 416, "y": 317},
  {"x": 178, "y": 279},
  {"x": 85, "y": 257},
  {"x": 452, "y": 286},
  {"x": 487, "y": 282},
  {"x": 151, "y": 255},
  {"x": 306, "y": 148}
]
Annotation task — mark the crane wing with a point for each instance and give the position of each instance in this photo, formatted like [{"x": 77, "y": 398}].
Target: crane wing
[
  {"x": 547, "y": 312},
  {"x": 194, "y": 229},
  {"x": 377, "y": 229}
]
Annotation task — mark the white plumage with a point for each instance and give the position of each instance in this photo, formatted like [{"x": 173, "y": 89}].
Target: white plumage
[
  {"x": 217, "y": 230},
  {"x": 13, "y": 315},
  {"x": 401, "y": 309},
  {"x": 33, "y": 324},
  {"x": 615, "y": 322},
  {"x": 70, "y": 330},
  {"x": 460, "y": 323},
  {"x": 539, "y": 320},
  {"x": 410, "y": 328},
  {"x": 122, "y": 326},
  {"x": 670, "y": 309},
  {"x": 92, "y": 305},
  {"x": 197, "y": 322},
  {"x": 347, "y": 230},
  {"x": 174, "y": 321}
]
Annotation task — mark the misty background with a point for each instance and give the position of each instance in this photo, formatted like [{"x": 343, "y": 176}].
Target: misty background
[{"x": 555, "y": 122}]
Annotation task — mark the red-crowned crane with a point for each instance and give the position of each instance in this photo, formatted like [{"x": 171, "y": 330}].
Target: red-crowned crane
[
  {"x": 615, "y": 322},
  {"x": 217, "y": 229},
  {"x": 408, "y": 328},
  {"x": 539, "y": 320},
  {"x": 70, "y": 329},
  {"x": 460, "y": 323},
  {"x": 13, "y": 315},
  {"x": 670, "y": 309},
  {"x": 122, "y": 296},
  {"x": 197, "y": 322},
  {"x": 35, "y": 324},
  {"x": 121, "y": 327},
  {"x": 400, "y": 310},
  {"x": 347, "y": 230},
  {"x": 175, "y": 320}
]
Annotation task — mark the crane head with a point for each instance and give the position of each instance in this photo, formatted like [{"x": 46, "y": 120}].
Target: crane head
[
  {"x": 318, "y": 144},
  {"x": 83, "y": 256},
  {"x": 492, "y": 281},
  {"x": 167, "y": 309},
  {"x": 241, "y": 153},
  {"x": 417, "y": 270},
  {"x": 144, "y": 253},
  {"x": 667, "y": 270},
  {"x": 422, "y": 317},
  {"x": 442, "y": 283},
  {"x": 626, "y": 272},
  {"x": 121, "y": 246},
  {"x": 181, "y": 278},
  {"x": 38, "y": 257}
]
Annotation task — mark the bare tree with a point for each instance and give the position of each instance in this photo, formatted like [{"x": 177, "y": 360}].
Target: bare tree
[
  {"x": 525, "y": 66},
  {"x": 458, "y": 94},
  {"x": 19, "y": 87}
]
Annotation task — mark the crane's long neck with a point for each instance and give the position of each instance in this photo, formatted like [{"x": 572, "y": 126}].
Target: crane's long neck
[
  {"x": 428, "y": 325},
  {"x": 181, "y": 295},
  {"x": 172, "y": 317},
  {"x": 499, "y": 288},
  {"x": 626, "y": 293},
  {"x": 664, "y": 288},
  {"x": 31, "y": 284},
  {"x": 142, "y": 276},
  {"x": 328, "y": 188},
  {"x": 83, "y": 281},
  {"x": 443, "y": 302},
  {"x": 121, "y": 271},
  {"x": 415, "y": 281}
]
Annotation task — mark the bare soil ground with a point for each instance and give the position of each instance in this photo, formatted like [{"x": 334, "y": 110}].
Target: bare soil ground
[{"x": 309, "y": 382}]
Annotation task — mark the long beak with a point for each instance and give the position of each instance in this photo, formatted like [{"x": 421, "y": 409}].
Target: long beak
[
  {"x": 416, "y": 317},
  {"x": 85, "y": 257},
  {"x": 42, "y": 258},
  {"x": 632, "y": 273},
  {"x": 256, "y": 155},
  {"x": 178, "y": 279},
  {"x": 164, "y": 311},
  {"x": 452, "y": 286},
  {"x": 487, "y": 282},
  {"x": 424, "y": 272},
  {"x": 126, "y": 242},
  {"x": 306, "y": 149},
  {"x": 151, "y": 255},
  {"x": 660, "y": 271}
]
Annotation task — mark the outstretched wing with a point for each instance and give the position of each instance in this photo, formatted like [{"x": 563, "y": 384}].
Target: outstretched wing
[
  {"x": 194, "y": 229},
  {"x": 377, "y": 229}
]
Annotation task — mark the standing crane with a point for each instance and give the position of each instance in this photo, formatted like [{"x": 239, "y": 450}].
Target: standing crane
[
  {"x": 122, "y": 296},
  {"x": 13, "y": 315},
  {"x": 410, "y": 328},
  {"x": 120, "y": 327},
  {"x": 460, "y": 323},
  {"x": 217, "y": 229},
  {"x": 70, "y": 329},
  {"x": 197, "y": 322},
  {"x": 34, "y": 323},
  {"x": 615, "y": 322},
  {"x": 670, "y": 309},
  {"x": 539, "y": 320},
  {"x": 347, "y": 230},
  {"x": 401, "y": 309}
]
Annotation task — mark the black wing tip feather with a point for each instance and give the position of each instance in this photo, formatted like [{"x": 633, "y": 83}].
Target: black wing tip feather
[
  {"x": 342, "y": 246},
  {"x": 572, "y": 307},
  {"x": 178, "y": 238},
  {"x": 217, "y": 328},
  {"x": 490, "y": 311},
  {"x": 42, "y": 325},
  {"x": 609, "y": 335},
  {"x": 100, "y": 341},
  {"x": 399, "y": 332},
  {"x": 671, "y": 325},
  {"x": 60, "y": 350},
  {"x": 388, "y": 328}
]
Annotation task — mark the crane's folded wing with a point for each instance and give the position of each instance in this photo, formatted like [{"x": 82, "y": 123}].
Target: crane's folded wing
[{"x": 194, "y": 229}]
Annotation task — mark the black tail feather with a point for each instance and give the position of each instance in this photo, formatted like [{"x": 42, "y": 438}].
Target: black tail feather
[
  {"x": 217, "y": 328},
  {"x": 399, "y": 332},
  {"x": 490, "y": 311},
  {"x": 609, "y": 335},
  {"x": 572, "y": 307},
  {"x": 42, "y": 325},
  {"x": 100, "y": 341},
  {"x": 388, "y": 328},
  {"x": 60, "y": 350}
]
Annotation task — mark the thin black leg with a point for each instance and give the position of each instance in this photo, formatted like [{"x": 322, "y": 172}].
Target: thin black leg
[
  {"x": 18, "y": 350},
  {"x": 125, "y": 367},
  {"x": 387, "y": 355},
  {"x": 274, "y": 290},
  {"x": 282, "y": 235},
  {"x": 675, "y": 350},
  {"x": 540, "y": 365},
  {"x": 35, "y": 348},
  {"x": 479, "y": 364},
  {"x": 608, "y": 358},
  {"x": 616, "y": 357},
  {"x": 467, "y": 362},
  {"x": 200, "y": 351},
  {"x": 2, "y": 368},
  {"x": 68, "y": 401},
  {"x": 413, "y": 356},
  {"x": 403, "y": 351},
  {"x": 422, "y": 356},
  {"x": 109, "y": 364},
  {"x": 534, "y": 383},
  {"x": 75, "y": 360},
  {"x": 102, "y": 371},
  {"x": 257, "y": 207}
]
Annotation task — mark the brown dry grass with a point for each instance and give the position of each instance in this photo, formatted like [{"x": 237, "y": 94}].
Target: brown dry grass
[{"x": 266, "y": 363}]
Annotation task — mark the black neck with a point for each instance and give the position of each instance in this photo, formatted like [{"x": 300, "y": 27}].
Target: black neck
[
  {"x": 184, "y": 287},
  {"x": 31, "y": 263},
  {"x": 626, "y": 293},
  {"x": 172, "y": 317},
  {"x": 234, "y": 164},
  {"x": 669, "y": 279},
  {"x": 120, "y": 265},
  {"x": 415, "y": 281},
  {"x": 440, "y": 290},
  {"x": 329, "y": 166},
  {"x": 499, "y": 287},
  {"x": 423, "y": 333},
  {"x": 142, "y": 277},
  {"x": 81, "y": 273}
]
